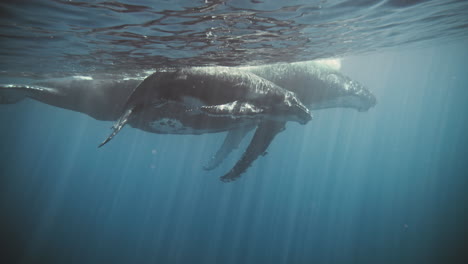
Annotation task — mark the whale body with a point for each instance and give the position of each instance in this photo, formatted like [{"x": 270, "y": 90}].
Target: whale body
[{"x": 198, "y": 100}]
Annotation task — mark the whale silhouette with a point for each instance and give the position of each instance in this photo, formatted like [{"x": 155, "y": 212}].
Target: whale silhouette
[{"x": 198, "y": 100}]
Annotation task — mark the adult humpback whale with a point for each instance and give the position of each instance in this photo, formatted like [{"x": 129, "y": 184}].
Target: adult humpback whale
[{"x": 242, "y": 108}]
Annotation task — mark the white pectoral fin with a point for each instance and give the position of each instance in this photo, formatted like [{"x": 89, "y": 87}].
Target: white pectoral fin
[
  {"x": 123, "y": 120},
  {"x": 233, "y": 109},
  {"x": 262, "y": 138},
  {"x": 231, "y": 142}
]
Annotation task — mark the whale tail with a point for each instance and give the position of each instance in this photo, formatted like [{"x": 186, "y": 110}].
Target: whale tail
[{"x": 13, "y": 93}]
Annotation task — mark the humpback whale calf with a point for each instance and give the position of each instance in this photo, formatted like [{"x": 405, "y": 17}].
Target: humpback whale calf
[
  {"x": 201, "y": 100},
  {"x": 212, "y": 99},
  {"x": 210, "y": 92}
]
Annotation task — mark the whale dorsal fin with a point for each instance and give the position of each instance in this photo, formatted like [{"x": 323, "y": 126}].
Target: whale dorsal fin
[
  {"x": 234, "y": 109},
  {"x": 231, "y": 142},
  {"x": 123, "y": 120},
  {"x": 262, "y": 138}
]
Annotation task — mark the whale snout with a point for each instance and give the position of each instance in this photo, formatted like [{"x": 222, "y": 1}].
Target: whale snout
[
  {"x": 304, "y": 121},
  {"x": 369, "y": 102},
  {"x": 297, "y": 110},
  {"x": 300, "y": 112},
  {"x": 303, "y": 115}
]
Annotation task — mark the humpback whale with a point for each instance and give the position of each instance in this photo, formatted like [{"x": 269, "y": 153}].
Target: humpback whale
[
  {"x": 201, "y": 100},
  {"x": 211, "y": 93},
  {"x": 316, "y": 84}
]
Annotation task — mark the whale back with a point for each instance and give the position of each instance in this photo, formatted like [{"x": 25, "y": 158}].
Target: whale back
[
  {"x": 317, "y": 85},
  {"x": 102, "y": 99}
]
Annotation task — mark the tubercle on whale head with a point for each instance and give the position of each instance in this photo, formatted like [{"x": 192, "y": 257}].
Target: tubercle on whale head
[
  {"x": 299, "y": 112},
  {"x": 365, "y": 99},
  {"x": 371, "y": 102},
  {"x": 353, "y": 94},
  {"x": 342, "y": 91},
  {"x": 303, "y": 116}
]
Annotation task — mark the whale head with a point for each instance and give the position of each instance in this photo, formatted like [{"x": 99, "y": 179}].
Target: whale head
[
  {"x": 317, "y": 85},
  {"x": 338, "y": 90},
  {"x": 296, "y": 109},
  {"x": 290, "y": 108},
  {"x": 357, "y": 96}
]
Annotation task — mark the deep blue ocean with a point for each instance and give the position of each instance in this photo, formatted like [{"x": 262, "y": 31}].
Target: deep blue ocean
[{"x": 384, "y": 186}]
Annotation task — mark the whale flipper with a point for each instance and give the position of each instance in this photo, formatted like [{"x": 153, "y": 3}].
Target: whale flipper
[
  {"x": 123, "y": 120},
  {"x": 231, "y": 142},
  {"x": 262, "y": 138},
  {"x": 234, "y": 109}
]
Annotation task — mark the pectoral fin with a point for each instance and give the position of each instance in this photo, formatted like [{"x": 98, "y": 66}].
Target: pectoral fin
[
  {"x": 118, "y": 125},
  {"x": 231, "y": 142},
  {"x": 234, "y": 109},
  {"x": 262, "y": 138}
]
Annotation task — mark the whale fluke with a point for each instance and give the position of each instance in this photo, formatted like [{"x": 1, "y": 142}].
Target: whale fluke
[
  {"x": 13, "y": 93},
  {"x": 262, "y": 138}
]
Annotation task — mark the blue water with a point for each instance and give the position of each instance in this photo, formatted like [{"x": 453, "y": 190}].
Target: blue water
[{"x": 384, "y": 186}]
